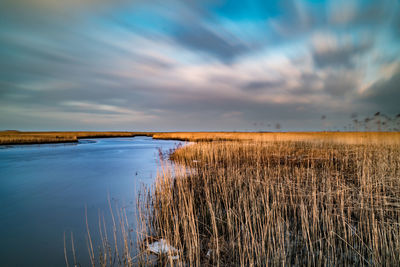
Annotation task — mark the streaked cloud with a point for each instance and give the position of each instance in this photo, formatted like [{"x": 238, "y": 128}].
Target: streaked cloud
[{"x": 193, "y": 65}]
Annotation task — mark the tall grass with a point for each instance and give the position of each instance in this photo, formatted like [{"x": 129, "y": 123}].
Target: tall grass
[{"x": 279, "y": 203}]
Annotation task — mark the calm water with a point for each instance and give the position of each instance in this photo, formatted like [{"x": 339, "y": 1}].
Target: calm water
[{"x": 44, "y": 190}]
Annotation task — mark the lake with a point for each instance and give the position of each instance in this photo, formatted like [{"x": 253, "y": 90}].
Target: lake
[{"x": 44, "y": 190}]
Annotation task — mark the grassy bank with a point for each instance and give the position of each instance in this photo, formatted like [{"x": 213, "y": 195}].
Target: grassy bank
[
  {"x": 334, "y": 137},
  {"x": 17, "y": 137},
  {"x": 279, "y": 199}
]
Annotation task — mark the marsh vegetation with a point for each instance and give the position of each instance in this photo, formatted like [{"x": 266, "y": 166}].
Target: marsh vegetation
[
  {"x": 16, "y": 137},
  {"x": 294, "y": 199}
]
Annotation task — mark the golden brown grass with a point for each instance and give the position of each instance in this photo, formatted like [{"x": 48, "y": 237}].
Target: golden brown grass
[
  {"x": 17, "y": 137},
  {"x": 279, "y": 199},
  {"x": 336, "y": 137}
]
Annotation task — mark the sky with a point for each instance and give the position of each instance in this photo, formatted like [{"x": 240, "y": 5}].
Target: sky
[{"x": 186, "y": 65}]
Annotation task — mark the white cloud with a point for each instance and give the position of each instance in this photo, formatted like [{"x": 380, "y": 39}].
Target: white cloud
[
  {"x": 127, "y": 113},
  {"x": 324, "y": 41}
]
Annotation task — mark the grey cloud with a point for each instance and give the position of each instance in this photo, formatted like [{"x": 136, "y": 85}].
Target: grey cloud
[
  {"x": 342, "y": 55},
  {"x": 196, "y": 29},
  {"x": 368, "y": 13},
  {"x": 384, "y": 95},
  {"x": 301, "y": 17},
  {"x": 263, "y": 85},
  {"x": 154, "y": 62},
  {"x": 396, "y": 26},
  {"x": 339, "y": 83},
  {"x": 336, "y": 83},
  {"x": 375, "y": 12},
  {"x": 62, "y": 7},
  {"x": 298, "y": 18},
  {"x": 307, "y": 84},
  {"x": 196, "y": 36},
  {"x": 209, "y": 112}
]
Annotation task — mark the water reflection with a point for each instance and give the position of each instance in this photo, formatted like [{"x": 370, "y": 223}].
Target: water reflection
[{"x": 44, "y": 190}]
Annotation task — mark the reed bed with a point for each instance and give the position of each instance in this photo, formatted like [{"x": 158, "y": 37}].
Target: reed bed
[
  {"x": 278, "y": 202},
  {"x": 334, "y": 137}
]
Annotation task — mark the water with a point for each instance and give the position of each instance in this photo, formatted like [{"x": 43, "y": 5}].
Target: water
[{"x": 44, "y": 190}]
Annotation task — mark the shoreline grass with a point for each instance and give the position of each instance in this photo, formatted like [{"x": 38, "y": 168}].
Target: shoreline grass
[
  {"x": 335, "y": 137},
  {"x": 24, "y": 138}
]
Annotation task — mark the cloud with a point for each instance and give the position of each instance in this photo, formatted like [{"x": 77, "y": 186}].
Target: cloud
[
  {"x": 72, "y": 6},
  {"x": 396, "y": 26},
  {"x": 104, "y": 109},
  {"x": 355, "y": 12},
  {"x": 384, "y": 94},
  {"x": 342, "y": 12},
  {"x": 338, "y": 50},
  {"x": 297, "y": 18},
  {"x": 194, "y": 64},
  {"x": 341, "y": 82},
  {"x": 263, "y": 85},
  {"x": 216, "y": 42}
]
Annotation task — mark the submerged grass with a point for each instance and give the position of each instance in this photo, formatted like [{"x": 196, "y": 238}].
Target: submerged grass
[{"x": 272, "y": 201}]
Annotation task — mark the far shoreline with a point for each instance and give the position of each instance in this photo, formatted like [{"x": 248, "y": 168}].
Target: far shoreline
[
  {"x": 53, "y": 137},
  {"x": 35, "y": 138}
]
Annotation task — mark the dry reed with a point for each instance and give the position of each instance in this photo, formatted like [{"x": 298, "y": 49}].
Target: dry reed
[{"x": 331, "y": 202}]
